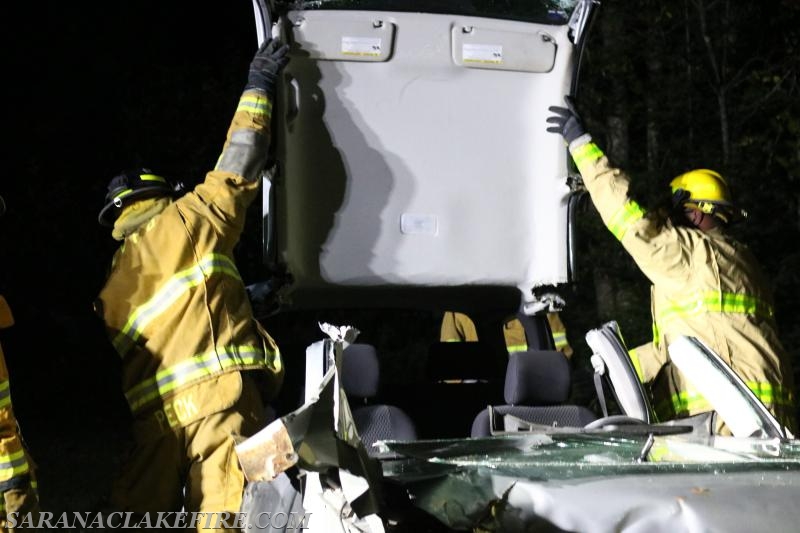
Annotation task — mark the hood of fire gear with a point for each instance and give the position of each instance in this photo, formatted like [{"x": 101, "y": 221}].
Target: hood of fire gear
[
  {"x": 706, "y": 191},
  {"x": 137, "y": 214},
  {"x": 131, "y": 186}
]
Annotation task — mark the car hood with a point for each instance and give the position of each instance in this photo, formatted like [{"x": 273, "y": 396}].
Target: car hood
[{"x": 602, "y": 482}]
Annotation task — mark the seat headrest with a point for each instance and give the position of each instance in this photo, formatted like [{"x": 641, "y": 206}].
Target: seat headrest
[
  {"x": 360, "y": 371},
  {"x": 537, "y": 377}
]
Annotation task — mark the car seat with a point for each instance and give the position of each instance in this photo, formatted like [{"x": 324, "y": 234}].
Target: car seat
[
  {"x": 360, "y": 381},
  {"x": 537, "y": 382}
]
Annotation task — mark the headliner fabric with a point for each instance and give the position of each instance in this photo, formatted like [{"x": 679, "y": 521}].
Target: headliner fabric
[{"x": 404, "y": 186}]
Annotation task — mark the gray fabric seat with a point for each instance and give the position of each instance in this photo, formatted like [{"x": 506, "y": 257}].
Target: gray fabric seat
[
  {"x": 360, "y": 381},
  {"x": 537, "y": 383}
]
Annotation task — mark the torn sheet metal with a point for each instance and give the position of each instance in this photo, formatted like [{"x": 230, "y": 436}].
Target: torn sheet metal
[
  {"x": 317, "y": 444},
  {"x": 597, "y": 483},
  {"x": 267, "y": 453}
]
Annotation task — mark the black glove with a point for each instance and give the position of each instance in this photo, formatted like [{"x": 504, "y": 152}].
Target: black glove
[
  {"x": 267, "y": 63},
  {"x": 566, "y": 121}
]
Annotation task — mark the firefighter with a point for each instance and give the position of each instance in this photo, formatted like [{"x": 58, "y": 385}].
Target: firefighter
[
  {"x": 17, "y": 476},
  {"x": 195, "y": 362},
  {"x": 704, "y": 283},
  {"x": 458, "y": 327}
]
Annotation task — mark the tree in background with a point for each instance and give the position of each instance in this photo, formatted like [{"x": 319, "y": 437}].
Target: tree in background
[{"x": 672, "y": 85}]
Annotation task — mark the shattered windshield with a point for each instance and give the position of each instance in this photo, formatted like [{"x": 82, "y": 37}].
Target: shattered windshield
[
  {"x": 579, "y": 455},
  {"x": 541, "y": 11}
]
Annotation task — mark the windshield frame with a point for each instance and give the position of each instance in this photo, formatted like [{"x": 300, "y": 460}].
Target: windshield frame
[{"x": 551, "y": 12}]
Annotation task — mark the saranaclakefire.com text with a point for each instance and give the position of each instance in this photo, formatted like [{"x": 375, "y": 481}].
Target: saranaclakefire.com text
[{"x": 166, "y": 520}]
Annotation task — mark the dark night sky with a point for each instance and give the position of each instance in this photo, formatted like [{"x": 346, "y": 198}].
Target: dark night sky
[{"x": 92, "y": 91}]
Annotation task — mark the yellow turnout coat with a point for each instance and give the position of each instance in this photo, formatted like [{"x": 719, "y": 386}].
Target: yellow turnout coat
[
  {"x": 174, "y": 304},
  {"x": 457, "y": 327},
  {"x": 17, "y": 482},
  {"x": 704, "y": 284}
]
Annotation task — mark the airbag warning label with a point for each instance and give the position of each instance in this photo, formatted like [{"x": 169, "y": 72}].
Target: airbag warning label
[
  {"x": 361, "y": 46},
  {"x": 482, "y": 53}
]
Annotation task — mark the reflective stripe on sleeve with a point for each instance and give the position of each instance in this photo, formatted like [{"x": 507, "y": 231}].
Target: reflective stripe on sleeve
[
  {"x": 193, "y": 369},
  {"x": 637, "y": 364},
  {"x": 625, "y": 216},
  {"x": 176, "y": 286},
  {"x": 13, "y": 465},
  {"x": 256, "y": 104},
  {"x": 586, "y": 153},
  {"x": 770, "y": 394},
  {"x": 685, "y": 402},
  {"x": 5, "y": 394},
  {"x": 656, "y": 335},
  {"x": 516, "y": 348},
  {"x": 711, "y": 302},
  {"x": 560, "y": 340},
  {"x": 680, "y": 404}
]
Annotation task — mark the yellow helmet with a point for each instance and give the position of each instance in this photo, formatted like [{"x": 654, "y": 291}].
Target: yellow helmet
[{"x": 704, "y": 190}]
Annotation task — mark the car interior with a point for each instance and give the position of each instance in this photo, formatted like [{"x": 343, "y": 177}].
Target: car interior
[
  {"x": 382, "y": 210},
  {"x": 403, "y": 383}
]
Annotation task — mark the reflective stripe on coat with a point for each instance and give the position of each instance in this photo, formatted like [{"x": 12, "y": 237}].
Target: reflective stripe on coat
[
  {"x": 704, "y": 284},
  {"x": 174, "y": 304},
  {"x": 15, "y": 469},
  {"x": 458, "y": 327}
]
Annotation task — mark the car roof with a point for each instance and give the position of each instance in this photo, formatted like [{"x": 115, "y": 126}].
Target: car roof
[{"x": 412, "y": 153}]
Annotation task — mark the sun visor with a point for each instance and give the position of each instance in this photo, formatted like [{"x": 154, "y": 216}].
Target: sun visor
[
  {"x": 347, "y": 38},
  {"x": 501, "y": 49},
  {"x": 413, "y": 151}
]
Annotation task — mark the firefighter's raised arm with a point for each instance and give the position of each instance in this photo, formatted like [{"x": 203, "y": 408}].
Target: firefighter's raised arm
[{"x": 245, "y": 150}]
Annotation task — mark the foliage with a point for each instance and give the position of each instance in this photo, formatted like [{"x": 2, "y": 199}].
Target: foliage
[{"x": 700, "y": 84}]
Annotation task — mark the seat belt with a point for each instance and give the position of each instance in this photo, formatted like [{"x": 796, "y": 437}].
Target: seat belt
[
  {"x": 537, "y": 332},
  {"x": 599, "y": 372}
]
